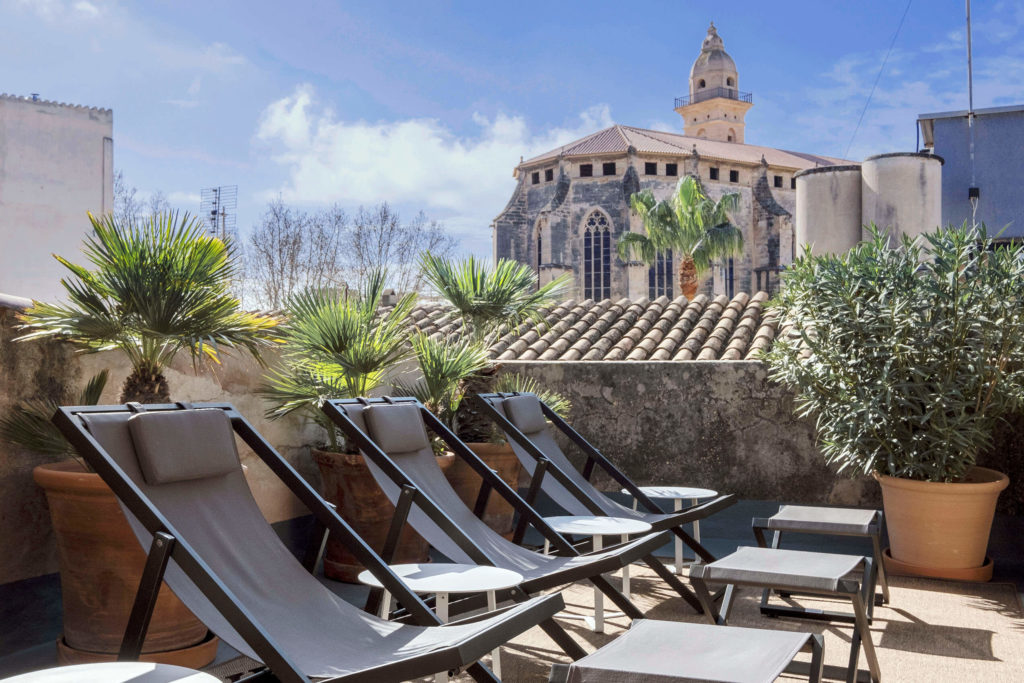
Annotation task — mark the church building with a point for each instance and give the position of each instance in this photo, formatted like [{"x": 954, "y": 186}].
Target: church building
[{"x": 571, "y": 204}]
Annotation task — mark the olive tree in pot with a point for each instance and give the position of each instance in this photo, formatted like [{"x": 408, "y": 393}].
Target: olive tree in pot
[
  {"x": 344, "y": 345},
  {"x": 155, "y": 288},
  {"x": 907, "y": 356},
  {"x": 488, "y": 303}
]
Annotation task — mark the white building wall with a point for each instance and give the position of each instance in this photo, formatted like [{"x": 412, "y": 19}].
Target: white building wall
[{"x": 56, "y": 164}]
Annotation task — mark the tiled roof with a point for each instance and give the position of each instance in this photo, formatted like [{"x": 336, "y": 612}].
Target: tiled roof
[
  {"x": 618, "y": 139},
  {"x": 664, "y": 329}
]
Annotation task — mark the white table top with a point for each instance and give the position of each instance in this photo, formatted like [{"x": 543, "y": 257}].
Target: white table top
[
  {"x": 676, "y": 492},
  {"x": 585, "y": 525},
  {"x": 115, "y": 672},
  {"x": 441, "y": 577}
]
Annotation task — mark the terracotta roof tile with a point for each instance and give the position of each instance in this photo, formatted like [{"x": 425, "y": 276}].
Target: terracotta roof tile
[{"x": 663, "y": 329}]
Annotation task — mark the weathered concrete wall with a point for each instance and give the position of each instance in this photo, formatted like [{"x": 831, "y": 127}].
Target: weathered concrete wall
[
  {"x": 56, "y": 163},
  {"x": 46, "y": 369},
  {"x": 718, "y": 424}
]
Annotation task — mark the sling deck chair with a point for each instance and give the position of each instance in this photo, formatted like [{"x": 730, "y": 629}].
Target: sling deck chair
[
  {"x": 391, "y": 434},
  {"x": 176, "y": 472},
  {"x": 523, "y": 418}
]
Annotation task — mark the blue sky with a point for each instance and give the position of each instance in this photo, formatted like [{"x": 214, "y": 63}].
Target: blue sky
[{"x": 430, "y": 104}]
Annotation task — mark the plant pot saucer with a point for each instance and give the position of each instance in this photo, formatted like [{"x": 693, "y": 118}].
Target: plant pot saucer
[
  {"x": 192, "y": 657},
  {"x": 971, "y": 574}
]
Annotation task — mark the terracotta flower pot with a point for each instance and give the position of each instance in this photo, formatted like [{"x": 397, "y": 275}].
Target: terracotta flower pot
[
  {"x": 499, "y": 513},
  {"x": 349, "y": 484},
  {"x": 941, "y": 529},
  {"x": 101, "y": 564}
]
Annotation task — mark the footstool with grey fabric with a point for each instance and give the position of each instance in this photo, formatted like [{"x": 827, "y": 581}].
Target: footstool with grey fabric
[
  {"x": 796, "y": 571},
  {"x": 674, "y": 652},
  {"x": 829, "y": 521}
]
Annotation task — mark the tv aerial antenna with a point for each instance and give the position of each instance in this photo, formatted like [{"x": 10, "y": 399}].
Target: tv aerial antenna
[{"x": 218, "y": 207}]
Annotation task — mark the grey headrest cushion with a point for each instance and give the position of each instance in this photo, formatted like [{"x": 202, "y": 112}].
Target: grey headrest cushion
[
  {"x": 525, "y": 414},
  {"x": 396, "y": 428},
  {"x": 182, "y": 445}
]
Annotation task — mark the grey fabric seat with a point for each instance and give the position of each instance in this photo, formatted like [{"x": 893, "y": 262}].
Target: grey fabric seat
[
  {"x": 179, "y": 471},
  {"x": 794, "y": 570},
  {"x": 678, "y": 652},
  {"x": 828, "y": 520},
  {"x": 524, "y": 420},
  {"x": 807, "y": 519}
]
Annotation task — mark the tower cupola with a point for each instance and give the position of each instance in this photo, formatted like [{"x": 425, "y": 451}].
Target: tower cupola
[{"x": 715, "y": 107}]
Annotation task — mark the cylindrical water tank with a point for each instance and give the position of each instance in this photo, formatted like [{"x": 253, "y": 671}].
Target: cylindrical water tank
[
  {"x": 902, "y": 192},
  {"x": 828, "y": 210}
]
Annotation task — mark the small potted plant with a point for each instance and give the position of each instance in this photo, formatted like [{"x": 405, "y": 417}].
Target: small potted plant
[
  {"x": 907, "y": 355},
  {"x": 155, "y": 288},
  {"x": 488, "y": 302},
  {"x": 343, "y": 344}
]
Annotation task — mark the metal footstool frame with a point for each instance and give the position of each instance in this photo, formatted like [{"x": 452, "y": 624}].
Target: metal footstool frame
[
  {"x": 777, "y": 524},
  {"x": 752, "y": 575}
]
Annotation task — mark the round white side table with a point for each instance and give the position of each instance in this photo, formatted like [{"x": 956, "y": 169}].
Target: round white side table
[
  {"x": 443, "y": 579},
  {"x": 596, "y": 527},
  {"x": 678, "y": 494},
  {"x": 115, "y": 672}
]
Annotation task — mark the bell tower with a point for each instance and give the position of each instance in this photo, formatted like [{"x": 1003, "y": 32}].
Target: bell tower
[{"x": 715, "y": 107}]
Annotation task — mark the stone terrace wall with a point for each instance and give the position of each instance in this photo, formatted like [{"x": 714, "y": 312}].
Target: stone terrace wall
[
  {"x": 46, "y": 369},
  {"x": 719, "y": 424}
]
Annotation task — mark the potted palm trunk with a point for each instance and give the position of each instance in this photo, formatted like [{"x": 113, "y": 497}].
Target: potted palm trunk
[
  {"x": 487, "y": 302},
  {"x": 907, "y": 356},
  {"x": 155, "y": 289},
  {"x": 344, "y": 345}
]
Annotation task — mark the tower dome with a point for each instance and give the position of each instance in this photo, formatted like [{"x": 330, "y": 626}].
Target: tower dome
[
  {"x": 713, "y": 67},
  {"x": 715, "y": 107}
]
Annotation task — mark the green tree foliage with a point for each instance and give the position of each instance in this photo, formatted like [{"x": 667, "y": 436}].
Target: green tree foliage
[{"x": 905, "y": 356}]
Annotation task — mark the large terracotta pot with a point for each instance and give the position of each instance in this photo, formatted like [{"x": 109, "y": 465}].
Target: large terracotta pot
[
  {"x": 499, "y": 512},
  {"x": 101, "y": 564},
  {"x": 941, "y": 529},
  {"x": 349, "y": 484}
]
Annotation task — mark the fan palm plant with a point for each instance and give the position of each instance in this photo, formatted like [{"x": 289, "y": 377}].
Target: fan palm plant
[
  {"x": 28, "y": 423},
  {"x": 157, "y": 287},
  {"x": 337, "y": 345},
  {"x": 443, "y": 366},
  {"x": 690, "y": 224},
  {"x": 489, "y": 302}
]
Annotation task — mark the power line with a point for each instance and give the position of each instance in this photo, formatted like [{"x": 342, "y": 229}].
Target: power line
[{"x": 877, "y": 78}]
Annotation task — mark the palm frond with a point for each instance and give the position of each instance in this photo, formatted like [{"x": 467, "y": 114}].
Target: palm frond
[
  {"x": 487, "y": 299},
  {"x": 155, "y": 288},
  {"x": 443, "y": 365},
  {"x": 28, "y": 423},
  {"x": 513, "y": 381}
]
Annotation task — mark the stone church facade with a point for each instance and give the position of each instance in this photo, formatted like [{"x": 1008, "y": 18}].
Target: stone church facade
[{"x": 571, "y": 204}]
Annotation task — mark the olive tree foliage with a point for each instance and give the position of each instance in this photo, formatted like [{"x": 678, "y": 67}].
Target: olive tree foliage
[
  {"x": 291, "y": 250},
  {"x": 905, "y": 355}
]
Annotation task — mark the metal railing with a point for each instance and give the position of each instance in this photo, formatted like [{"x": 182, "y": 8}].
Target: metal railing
[{"x": 710, "y": 93}]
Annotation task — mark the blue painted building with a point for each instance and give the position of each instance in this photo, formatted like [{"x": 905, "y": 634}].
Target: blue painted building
[{"x": 998, "y": 162}]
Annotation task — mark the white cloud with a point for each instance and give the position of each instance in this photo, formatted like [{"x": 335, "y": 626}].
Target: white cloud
[
  {"x": 466, "y": 180},
  {"x": 180, "y": 198}
]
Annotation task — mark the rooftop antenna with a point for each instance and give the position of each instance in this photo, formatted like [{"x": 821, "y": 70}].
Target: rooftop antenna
[
  {"x": 973, "y": 192},
  {"x": 218, "y": 207}
]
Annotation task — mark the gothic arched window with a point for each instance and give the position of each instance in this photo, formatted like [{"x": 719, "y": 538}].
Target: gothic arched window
[
  {"x": 597, "y": 257},
  {"x": 659, "y": 276}
]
